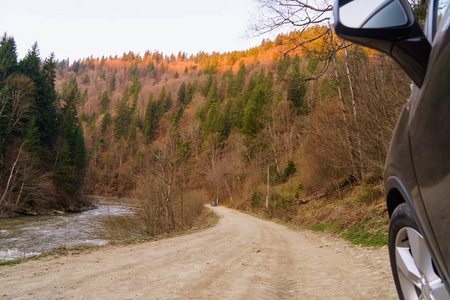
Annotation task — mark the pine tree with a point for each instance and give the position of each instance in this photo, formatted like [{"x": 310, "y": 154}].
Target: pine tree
[
  {"x": 45, "y": 94},
  {"x": 8, "y": 58},
  {"x": 86, "y": 79},
  {"x": 296, "y": 89},
  {"x": 112, "y": 83},
  {"x": 31, "y": 66},
  {"x": 47, "y": 106},
  {"x": 214, "y": 123},
  {"x": 104, "y": 101},
  {"x": 283, "y": 65},
  {"x": 133, "y": 128},
  {"x": 150, "y": 118},
  {"x": 106, "y": 121},
  {"x": 207, "y": 86},
  {"x": 236, "y": 85},
  {"x": 213, "y": 94},
  {"x": 252, "y": 123},
  {"x": 151, "y": 71},
  {"x": 123, "y": 118},
  {"x": 190, "y": 90},
  {"x": 79, "y": 154},
  {"x": 92, "y": 120},
  {"x": 168, "y": 102},
  {"x": 32, "y": 139},
  {"x": 71, "y": 147},
  {"x": 182, "y": 94},
  {"x": 135, "y": 90}
]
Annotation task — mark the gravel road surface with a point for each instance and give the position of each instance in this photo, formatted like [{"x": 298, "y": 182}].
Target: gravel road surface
[{"x": 242, "y": 257}]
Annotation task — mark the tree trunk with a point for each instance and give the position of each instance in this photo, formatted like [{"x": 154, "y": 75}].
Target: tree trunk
[
  {"x": 355, "y": 115},
  {"x": 345, "y": 118},
  {"x": 268, "y": 187},
  {"x": 11, "y": 175},
  {"x": 229, "y": 191}
]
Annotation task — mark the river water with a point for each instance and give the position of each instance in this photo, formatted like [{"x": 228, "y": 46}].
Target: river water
[{"x": 28, "y": 236}]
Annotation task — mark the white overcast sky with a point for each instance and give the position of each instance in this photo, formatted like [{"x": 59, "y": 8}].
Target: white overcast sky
[{"x": 80, "y": 28}]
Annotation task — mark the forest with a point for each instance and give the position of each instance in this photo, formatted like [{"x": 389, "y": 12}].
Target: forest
[
  {"x": 42, "y": 150},
  {"x": 273, "y": 130}
]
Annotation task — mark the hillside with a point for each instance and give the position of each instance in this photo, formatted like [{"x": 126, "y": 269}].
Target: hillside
[
  {"x": 294, "y": 128},
  {"x": 263, "y": 129}
]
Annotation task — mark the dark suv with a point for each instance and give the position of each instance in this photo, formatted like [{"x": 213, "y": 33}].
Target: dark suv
[{"x": 417, "y": 171}]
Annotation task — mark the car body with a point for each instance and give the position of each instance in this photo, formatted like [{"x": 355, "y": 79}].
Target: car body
[
  {"x": 213, "y": 203},
  {"x": 417, "y": 170}
]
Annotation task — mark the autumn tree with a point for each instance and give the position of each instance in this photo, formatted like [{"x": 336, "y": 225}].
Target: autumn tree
[{"x": 301, "y": 15}]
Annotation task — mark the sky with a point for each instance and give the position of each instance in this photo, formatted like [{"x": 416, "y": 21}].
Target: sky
[{"x": 77, "y": 29}]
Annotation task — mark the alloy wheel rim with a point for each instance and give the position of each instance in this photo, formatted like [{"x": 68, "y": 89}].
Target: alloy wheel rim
[{"x": 416, "y": 274}]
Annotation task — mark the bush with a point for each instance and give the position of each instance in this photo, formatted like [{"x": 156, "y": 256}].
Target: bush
[
  {"x": 370, "y": 194},
  {"x": 256, "y": 199},
  {"x": 289, "y": 171},
  {"x": 191, "y": 208},
  {"x": 283, "y": 202},
  {"x": 282, "y": 207},
  {"x": 156, "y": 214}
]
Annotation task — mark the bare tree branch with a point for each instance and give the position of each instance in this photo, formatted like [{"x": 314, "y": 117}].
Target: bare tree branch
[{"x": 296, "y": 14}]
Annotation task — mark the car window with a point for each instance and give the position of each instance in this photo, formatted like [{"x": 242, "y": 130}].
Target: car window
[{"x": 440, "y": 8}]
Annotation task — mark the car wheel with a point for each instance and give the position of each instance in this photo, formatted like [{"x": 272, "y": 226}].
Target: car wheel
[{"x": 412, "y": 266}]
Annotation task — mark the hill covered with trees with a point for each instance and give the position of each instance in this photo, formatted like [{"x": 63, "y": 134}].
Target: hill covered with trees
[
  {"x": 263, "y": 129},
  {"x": 268, "y": 129}
]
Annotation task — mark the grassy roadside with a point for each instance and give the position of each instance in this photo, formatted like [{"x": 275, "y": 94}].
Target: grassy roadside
[
  {"x": 358, "y": 215},
  {"x": 207, "y": 220}
]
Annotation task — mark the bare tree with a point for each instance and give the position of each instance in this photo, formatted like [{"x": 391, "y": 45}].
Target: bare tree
[
  {"x": 299, "y": 15},
  {"x": 21, "y": 92},
  {"x": 276, "y": 15}
]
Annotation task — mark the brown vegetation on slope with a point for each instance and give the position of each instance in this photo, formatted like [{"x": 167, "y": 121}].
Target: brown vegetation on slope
[{"x": 248, "y": 127}]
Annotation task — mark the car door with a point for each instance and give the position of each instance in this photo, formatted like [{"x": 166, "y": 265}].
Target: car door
[{"x": 430, "y": 130}]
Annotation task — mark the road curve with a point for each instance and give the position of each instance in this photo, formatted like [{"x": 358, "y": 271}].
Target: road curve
[{"x": 242, "y": 257}]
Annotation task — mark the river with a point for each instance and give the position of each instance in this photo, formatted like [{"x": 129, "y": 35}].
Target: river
[{"x": 28, "y": 236}]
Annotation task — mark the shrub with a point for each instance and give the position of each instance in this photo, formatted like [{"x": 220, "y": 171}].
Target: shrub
[
  {"x": 370, "y": 194},
  {"x": 256, "y": 199},
  {"x": 289, "y": 171}
]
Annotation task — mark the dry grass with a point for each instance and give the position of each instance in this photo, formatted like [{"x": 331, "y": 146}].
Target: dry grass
[{"x": 360, "y": 215}]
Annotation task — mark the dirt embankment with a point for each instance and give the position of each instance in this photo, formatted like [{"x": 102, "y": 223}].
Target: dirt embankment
[{"x": 242, "y": 257}]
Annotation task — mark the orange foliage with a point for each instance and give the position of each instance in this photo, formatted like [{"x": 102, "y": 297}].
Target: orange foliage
[{"x": 220, "y": 62}]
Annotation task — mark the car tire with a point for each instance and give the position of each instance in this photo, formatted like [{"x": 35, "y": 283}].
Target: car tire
[{"x": 411, "y": 262}]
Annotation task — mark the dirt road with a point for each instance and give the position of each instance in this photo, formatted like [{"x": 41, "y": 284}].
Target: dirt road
[{"x": 242, "y": 257}]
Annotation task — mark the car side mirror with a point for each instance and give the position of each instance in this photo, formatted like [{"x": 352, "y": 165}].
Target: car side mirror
[{"x": 388, "y": 26}]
